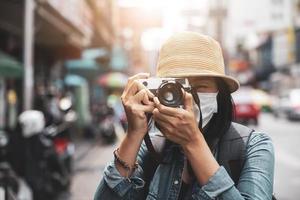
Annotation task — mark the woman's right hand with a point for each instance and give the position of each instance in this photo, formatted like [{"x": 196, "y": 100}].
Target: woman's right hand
[{"x": 136, "y": 101}]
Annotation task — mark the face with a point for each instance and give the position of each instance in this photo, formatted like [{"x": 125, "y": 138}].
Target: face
[{"x": 204, "y": 84}]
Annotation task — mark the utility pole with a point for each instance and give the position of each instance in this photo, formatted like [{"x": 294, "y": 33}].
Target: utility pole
[
  {"x": 28, "y": 54},
  {"x": 218, "y": 13}
]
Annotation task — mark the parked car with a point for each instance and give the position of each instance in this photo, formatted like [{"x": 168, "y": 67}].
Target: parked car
[
  {"x": 246, "y": 109},
  {"x": 288, "y": 104}
]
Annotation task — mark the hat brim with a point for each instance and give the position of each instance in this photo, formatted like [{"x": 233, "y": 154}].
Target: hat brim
[{"x": 231, "y": 82}]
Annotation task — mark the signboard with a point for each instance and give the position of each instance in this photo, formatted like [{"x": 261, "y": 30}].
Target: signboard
[{"x": 283, "y": 49}]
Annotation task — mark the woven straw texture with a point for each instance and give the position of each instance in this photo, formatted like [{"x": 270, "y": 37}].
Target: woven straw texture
[{"x": 190, "y": 54}]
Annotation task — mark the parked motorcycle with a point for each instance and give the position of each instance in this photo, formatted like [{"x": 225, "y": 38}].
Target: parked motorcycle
[
  {"x": 45, "y": 171},
  {"x": 61, "y": 134},
  {"x": 105, "y": 122},
  {"x": 12, "y": 186},
  {"x": 107, "y": 129}
]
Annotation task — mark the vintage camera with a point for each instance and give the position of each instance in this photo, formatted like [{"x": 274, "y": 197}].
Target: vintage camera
[{"x": 168, "y": 90}]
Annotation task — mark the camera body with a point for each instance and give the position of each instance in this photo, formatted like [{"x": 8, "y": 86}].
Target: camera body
[{"x": 167, "y": 90}]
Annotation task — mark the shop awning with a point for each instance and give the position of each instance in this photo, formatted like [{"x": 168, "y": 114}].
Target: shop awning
[
  {"x": 74, "y": 80},
  {"x": 83, "y": 67},
  {"x": 82, "y": 64},
  {"x": 95, "y": 53},
  {"x": 119, "y": 60},
  {"x": 10, "y": 67}
]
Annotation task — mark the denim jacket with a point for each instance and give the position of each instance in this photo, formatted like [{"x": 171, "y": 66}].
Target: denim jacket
[{"x": 256, "y": 179}]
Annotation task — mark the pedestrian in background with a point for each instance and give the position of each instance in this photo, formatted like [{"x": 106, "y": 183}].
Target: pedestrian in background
[{"x": 204, "y": 155}]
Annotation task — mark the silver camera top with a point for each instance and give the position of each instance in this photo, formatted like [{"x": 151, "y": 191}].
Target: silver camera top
[
  {"x": 153, "y": 83},
  {"x": 168, "y": 90}
]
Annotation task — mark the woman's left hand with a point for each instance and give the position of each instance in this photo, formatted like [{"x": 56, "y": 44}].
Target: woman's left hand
[
  {"x": 180, "y": 126},
  {"x": 177, "y": 124}
]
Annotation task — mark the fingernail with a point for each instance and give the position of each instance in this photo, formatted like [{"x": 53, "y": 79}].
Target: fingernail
[{"x": 156, "y": 100}]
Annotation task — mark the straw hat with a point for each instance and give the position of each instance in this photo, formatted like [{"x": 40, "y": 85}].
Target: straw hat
[{"x": 190, "y": 54}]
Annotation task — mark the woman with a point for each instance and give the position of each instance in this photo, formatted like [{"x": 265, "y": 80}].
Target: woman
[{"x": 205, "y": 155}]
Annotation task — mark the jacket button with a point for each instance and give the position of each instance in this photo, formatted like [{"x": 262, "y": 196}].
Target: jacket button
[{"x": 176, "y": 182}]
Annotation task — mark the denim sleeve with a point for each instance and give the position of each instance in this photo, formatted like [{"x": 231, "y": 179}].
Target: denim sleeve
[
  {"x": 115, "y": 186},
  {"x": 256, "y": 180}
]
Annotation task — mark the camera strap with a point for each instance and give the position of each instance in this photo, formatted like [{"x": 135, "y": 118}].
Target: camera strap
[
  {"x": 197, "y": 101},
  {"x": 155, "y": 155}
]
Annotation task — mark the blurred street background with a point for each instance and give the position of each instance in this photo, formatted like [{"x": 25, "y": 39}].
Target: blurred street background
[{"x": 70, "y": 60}]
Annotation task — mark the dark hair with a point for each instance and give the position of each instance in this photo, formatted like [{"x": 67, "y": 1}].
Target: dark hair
[{"x": 221, "y": 121}]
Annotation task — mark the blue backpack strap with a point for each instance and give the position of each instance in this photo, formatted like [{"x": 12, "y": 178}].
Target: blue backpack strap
[{"x": 232, "y": 149}]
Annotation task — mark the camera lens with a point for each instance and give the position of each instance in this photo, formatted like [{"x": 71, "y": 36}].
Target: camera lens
[{"x": 170, "y": 94}]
